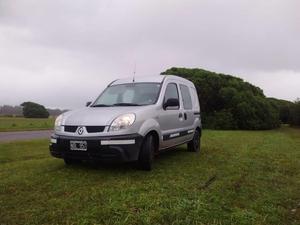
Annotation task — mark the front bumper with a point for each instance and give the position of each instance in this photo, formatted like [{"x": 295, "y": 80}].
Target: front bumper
[{"x": 121, "y": 148}]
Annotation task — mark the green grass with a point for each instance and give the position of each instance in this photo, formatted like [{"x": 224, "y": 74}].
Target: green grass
[
  {"x": 20, "y": 123},
  {"x": 257, "y": 182}
]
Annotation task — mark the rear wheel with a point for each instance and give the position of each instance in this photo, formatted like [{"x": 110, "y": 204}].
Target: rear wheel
[
  {"x": 195, "y": 144},
  {"x": 147, "y": 152},
  {"x": 69, "y": 161}
]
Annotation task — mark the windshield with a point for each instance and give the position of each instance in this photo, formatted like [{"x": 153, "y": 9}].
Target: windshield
[{"x": 134, "y": 94}]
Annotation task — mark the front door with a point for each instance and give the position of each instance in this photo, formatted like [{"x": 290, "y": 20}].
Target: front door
[{"x": 171, "y": 119}]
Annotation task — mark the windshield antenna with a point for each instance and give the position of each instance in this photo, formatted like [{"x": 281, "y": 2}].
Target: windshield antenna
[{"x": 133, "y": 80}]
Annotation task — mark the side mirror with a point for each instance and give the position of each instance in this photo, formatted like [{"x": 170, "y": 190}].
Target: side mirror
[
  {"x": 88, "y": 103},
  {"x": 171, "y": 102}
]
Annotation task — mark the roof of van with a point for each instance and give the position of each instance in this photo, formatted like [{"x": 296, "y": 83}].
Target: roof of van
[{"x": 153, "y": 78}]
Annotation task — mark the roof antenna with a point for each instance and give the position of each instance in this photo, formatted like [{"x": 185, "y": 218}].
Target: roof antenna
[{"x": 133, "y": 80}]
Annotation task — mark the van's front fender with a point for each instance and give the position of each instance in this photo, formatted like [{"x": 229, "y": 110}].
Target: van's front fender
[{"x": 150, "y": 125}]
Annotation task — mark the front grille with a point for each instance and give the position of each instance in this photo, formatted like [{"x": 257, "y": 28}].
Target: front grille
[
  {"x": 71, "y": 129},
  {"x": 95, "y": 129},
  {"x": 90, "y": 129}
]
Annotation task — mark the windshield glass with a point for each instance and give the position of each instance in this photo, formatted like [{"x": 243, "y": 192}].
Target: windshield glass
[{"x": 133, "y": 94}]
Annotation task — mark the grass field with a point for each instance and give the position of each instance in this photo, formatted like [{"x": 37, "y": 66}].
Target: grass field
[
  {"x": 240, "y": 177},
  {"x": 20, "y": 123}
]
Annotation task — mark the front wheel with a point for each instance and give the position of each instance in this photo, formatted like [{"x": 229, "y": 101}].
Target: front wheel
[
  {"x": 195, "y": 144},
  {"x": 147, "y": 152}
]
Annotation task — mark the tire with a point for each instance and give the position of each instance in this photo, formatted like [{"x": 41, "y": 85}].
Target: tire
[
  {"x": 195, "y": 144},
  {"x": 147, "y": 152},
  {"x": 69, "y": 161}
]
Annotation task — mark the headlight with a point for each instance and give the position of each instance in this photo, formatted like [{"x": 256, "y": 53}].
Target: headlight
[
  {"x": 58, "y": 123},
  {"x": 122, "y": 122}
]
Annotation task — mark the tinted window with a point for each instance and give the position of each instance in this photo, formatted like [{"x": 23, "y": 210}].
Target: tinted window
[
  {"x": 171, "y": 92},
  {"x": 186, "y": 97}
]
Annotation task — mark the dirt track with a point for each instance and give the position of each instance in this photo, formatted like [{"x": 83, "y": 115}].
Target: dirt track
[{"x": 24, "y": 135}]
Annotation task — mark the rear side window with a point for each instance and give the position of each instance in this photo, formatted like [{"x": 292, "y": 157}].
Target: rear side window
[
  {"x": 186, "y": 97},
  {"x": 171, "y": 92}
]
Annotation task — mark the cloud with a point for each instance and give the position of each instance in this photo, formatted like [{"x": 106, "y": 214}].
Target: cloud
[
  {"x": 63, "y": 53},
  {"x": 281, "y": 84}
]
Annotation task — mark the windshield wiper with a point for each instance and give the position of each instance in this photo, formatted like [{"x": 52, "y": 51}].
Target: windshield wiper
[
  {"x": 100, "y": 105},
  {"x": 125, "y": 104}
]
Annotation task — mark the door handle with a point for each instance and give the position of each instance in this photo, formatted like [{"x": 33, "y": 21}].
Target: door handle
[{"x": 180, "y": 115}]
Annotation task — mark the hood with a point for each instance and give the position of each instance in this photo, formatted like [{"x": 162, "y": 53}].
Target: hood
[{"x": 95, "y": 116}]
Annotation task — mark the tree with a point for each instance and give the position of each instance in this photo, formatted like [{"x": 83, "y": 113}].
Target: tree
[{"x": 34, "y": 110}]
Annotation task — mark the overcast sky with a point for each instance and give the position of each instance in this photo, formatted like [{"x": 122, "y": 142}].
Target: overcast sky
[{"x": 63, "y": 53}]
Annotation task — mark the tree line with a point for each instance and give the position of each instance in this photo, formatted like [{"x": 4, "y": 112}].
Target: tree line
[
  {"x": 30, "y": 110},
  {"x": 228, "y": 102}
]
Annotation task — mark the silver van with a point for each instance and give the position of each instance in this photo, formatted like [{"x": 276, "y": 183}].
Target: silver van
[{"x": 131, "y": 120}]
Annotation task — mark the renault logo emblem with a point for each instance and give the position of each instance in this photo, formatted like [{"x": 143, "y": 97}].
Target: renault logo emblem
[{"x": 80, "y": 130}]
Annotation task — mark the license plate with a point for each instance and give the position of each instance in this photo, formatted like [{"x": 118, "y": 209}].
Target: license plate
[{"x": 78, "y": 145}]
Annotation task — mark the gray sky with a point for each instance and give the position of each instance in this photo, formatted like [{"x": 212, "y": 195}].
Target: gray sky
[{"x": 63, "y": 53}]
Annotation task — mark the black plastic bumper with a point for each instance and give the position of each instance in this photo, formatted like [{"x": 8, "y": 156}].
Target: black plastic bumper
[{"x": 96, "y": 150}]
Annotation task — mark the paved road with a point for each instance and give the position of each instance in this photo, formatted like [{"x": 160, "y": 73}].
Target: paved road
[{"x": 24, "y": 135}]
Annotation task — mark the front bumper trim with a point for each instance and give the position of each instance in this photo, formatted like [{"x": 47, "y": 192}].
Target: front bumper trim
[{"x": 118, "y": 142}]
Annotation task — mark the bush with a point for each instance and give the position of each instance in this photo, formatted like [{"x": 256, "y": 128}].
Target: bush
[
  {"x": 34, "y": 110},
  {"x": 228, "y": 102},
  {"x": 295, "y": 114},
  {"x": 284, "y": 108},
  {"x": 222, "y": 120}
]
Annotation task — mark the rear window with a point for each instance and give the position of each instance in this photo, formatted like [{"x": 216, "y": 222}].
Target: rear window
[{"x": 186, "y": 97}]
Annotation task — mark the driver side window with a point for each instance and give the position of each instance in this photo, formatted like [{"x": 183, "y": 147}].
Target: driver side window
[{"x": 171, "y": 93}]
